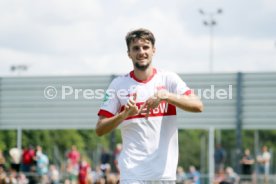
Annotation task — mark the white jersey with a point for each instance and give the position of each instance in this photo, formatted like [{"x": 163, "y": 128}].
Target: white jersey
[{"x": 150, "y": 146}]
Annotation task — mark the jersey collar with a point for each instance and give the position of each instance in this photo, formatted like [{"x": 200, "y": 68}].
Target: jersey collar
[{"x": 143, "y": 81}]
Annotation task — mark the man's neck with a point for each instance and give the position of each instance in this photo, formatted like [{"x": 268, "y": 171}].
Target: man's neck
[{"x": 143, "y": 75}]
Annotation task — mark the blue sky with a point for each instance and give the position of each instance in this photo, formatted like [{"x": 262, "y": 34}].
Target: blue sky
[{"x": 86, "y": 37}]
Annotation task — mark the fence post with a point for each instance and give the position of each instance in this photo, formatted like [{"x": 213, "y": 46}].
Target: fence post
[{"x": 239, "y": 105}]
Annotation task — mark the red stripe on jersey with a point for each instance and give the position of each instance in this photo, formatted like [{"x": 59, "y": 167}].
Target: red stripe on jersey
[
  {"x": 164, "y": 109},
  {"x": 143, "y": 81},
  {"x": 188, "y": 92},
  {"x": 105, "y": 113}
]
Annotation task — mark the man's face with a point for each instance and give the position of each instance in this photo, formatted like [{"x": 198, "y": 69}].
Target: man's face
[{"x": 141, "y": 52}]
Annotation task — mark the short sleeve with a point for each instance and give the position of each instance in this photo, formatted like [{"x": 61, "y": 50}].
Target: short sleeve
[
  {"x": 110, "y": 104},
  {"x": 177, "y": 85}
]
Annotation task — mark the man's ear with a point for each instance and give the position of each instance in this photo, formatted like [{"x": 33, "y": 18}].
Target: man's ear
[
  {"x": 153, "y": 49},
  {"x": 128, "y": 54}
]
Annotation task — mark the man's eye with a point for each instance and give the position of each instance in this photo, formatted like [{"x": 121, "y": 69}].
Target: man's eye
[
  {"x": 146, "y": 47},
  {"x": 135, "y": 48}
]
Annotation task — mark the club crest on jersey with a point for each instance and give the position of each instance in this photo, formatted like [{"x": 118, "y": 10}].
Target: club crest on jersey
[{"x": 106, "y": 97}]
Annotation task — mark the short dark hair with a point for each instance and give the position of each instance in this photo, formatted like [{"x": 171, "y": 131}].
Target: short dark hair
[{"x": 140, "y": 34}]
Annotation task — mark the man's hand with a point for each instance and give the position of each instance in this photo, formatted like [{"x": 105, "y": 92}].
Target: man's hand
[
  {"x": 130, "y": 108},
  {"x": 106, "y": 125},
  {"x": 154, "y": 101}
]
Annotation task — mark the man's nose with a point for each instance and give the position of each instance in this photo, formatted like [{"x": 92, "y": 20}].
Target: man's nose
[{"x": 141, "y": 50}]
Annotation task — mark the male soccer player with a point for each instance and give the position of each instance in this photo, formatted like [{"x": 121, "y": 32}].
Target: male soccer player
[{"x": 143, "y": 104}]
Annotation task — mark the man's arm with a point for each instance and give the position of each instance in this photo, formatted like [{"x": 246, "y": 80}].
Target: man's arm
[
  {"x": 106, "y": 125},
  {"x": 189, "y": 102}
]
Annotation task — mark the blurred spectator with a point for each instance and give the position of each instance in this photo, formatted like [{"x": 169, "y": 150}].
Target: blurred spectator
[
  {"x": 112, "y": 179},
  {"x": 105, "y": 161},
  {"x": 28, "y": 158},
  {"x": 11, "y": 179},
  {"x": 219, "y": 177},
  {"x": 32, "y": 176},
  {"x": 180, "y": 175},
  {"x": 264, "y": 163},
  {"x": 72, "y": 172},
  {"x": 53, "y": 175},
  {"x": 73, "y": 164},
  {"x": 84, "y": 169},
  {"x": 3, "y": 175},
  {"x": 194, "y": 176},
  {"x": 98, "y": 175},
  {"x": 67, "y": 181},
  {"x": 22, "y": 179},
  {"x": 2, "y": 160},
  {"x": 117, "y": 152},
  {"x": 105, "y": 158},
  {"x": 247, "y": 162},
  {"x": 73, "y": 156},
  {"x": 100, "y": 181},
  {"x": 42, "y": 163},
  {"x": 107, "y": 170},
  {"x": 15, "y": 155},
  {"x": 231, "y": 176},
  {"x": 220, "y": 158}
]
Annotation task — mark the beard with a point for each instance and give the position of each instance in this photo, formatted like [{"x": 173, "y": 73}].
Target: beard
[{"x": 142, "y": 67}]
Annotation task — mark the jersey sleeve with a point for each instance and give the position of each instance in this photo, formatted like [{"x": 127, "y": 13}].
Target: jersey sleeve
[
  {"x": 110, "y": 105},
  {"x": 177, "y": 85}
]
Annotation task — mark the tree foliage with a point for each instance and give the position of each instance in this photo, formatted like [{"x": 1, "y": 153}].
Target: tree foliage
[{"x": 193, "y": 144}]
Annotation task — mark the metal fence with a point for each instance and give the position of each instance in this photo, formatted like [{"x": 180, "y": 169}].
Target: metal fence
[{"x": 23, "y": 103}]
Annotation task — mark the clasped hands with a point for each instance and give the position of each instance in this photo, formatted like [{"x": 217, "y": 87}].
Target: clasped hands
[{"x": 131, "y": 109}]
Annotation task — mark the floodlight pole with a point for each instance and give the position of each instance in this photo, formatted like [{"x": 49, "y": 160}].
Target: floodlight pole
[
  {"x": 210, "y": 22},
  {"x": 211, "y": 44},
  {"x": 19, "y": 138},
  {"x": 18, "y": 69}
]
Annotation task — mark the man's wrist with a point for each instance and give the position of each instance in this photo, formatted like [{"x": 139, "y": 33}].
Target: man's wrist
[
  {"x": 163, "y": 95},
  {"x": 123, "y": 115}
]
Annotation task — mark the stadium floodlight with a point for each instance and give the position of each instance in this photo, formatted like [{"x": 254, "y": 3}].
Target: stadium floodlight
[
  {"x": 210, "y": 22},
  {"x": 18, "y": 69}
]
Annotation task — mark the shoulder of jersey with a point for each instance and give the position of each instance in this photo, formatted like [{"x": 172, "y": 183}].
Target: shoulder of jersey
[
  {"x": 120, "y": 79},
  {"x": 165, "y": 72}
]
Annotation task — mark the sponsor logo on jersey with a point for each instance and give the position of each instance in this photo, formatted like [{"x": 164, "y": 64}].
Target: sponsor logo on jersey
[{"x": 163, "y": 109}]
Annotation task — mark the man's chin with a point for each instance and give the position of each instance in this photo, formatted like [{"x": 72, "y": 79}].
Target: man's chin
[{"x": 142, "y": 67}]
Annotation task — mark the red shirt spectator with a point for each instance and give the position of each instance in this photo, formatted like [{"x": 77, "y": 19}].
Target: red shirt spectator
[
  {"x": 83, "y": 172},
  {"x": 28, "y": 156},
  {"x": 73, "y": 156}
]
